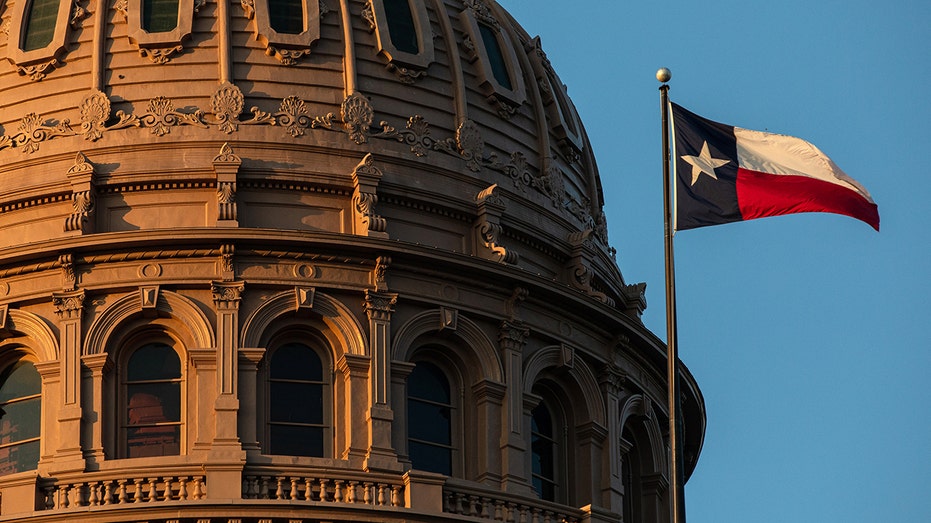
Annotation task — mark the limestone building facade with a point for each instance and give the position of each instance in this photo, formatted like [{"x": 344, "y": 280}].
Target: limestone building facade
[{"x": 311, "y": 260}]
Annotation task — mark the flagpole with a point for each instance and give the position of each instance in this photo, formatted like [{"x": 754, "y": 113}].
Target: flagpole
[{"x": 676, "y": 472}]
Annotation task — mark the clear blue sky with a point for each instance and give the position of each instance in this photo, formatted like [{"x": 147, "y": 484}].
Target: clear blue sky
[{"x": 809, "y": 334}]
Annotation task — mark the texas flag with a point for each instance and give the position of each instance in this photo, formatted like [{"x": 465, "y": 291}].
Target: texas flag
[{"x": 727, "y": 174}]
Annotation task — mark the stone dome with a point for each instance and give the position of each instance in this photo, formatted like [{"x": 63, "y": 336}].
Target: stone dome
[
  {"x": 470, "y": 117},
  {"x": 388, "y": 184}
]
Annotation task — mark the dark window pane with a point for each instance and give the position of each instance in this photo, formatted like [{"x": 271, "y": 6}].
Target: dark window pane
[
  {"x": 41, "y": 17},
  {"x": 293, "y": 440},
  {"x": 401, "y": 25},
  {"x": 495, "y": 56},
  {"x": 164, "y": 440},
  {"x": 428, "y": 382},
  {"x": 295, "y": 361},
  {"x": 159, "y": 16},
  {"x": 297, "y": 402},
  {"x": 543, "y": 452},
  {"x": 429, "y": 422},
  {"x": 20, "y": 420},
  {"x": 546, "y": 489},
  {"x": 155, "y": 361},
  {"x": 19, "y": 458},
  {"x": 153, "y": 403},
  {"x": 431, "y": 458},
  {"x": 287, "y": 16},
  {"x": 19, "y": 380}
]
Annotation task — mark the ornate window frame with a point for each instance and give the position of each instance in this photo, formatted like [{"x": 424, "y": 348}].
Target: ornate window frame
[
  {"x": 37, "y": 63},
  {"x": 287, "y": 48},
  {"x": 408, "y": 66},
  {"x": 567, "y": 124},
  {"x": 507, "y": 99},
  {"x": 159, "y": 47}
]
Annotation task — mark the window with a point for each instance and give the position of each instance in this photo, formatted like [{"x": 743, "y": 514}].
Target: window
[
  {"x": 152, "y": 389},
  {"x": 544, "y": 450},
  {"x": 495, "y": 56},
  {"x": 430, "y": 413},
  {"x": 159, "y": 16},
  {"x": 286, "y": 16},
  {"x": 297, "y": 402},
  {"x": 20, "y": 408},
  {"x": 401, "y": 25},
  {"x": 41, "y": 17}
]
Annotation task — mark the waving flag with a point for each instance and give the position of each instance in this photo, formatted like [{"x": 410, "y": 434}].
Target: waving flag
[{"x": 727, "y": 174}]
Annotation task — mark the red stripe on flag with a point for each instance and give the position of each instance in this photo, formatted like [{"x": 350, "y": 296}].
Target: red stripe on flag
[{"x": 762, "y": 194}]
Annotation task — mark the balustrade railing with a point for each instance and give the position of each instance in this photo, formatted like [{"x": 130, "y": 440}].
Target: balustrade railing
[
  {"x": 323, "y": 489},
  {"x": 92, "y": 492},
  {"x": 491, "y": 505}
]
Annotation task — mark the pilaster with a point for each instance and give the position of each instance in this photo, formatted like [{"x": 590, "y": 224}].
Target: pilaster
[
  {"x": 381, "y": 454},
  {"x": 69, "y": 305},
  {"x": 226, "y": 299}
]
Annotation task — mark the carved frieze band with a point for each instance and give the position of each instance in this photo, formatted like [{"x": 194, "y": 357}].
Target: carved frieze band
[{"x": 356, "y": 120}]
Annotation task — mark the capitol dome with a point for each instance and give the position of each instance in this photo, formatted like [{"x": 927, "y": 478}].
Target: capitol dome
[{"x": 338, "y": 260}]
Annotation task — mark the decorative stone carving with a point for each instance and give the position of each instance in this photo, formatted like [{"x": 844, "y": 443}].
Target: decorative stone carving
[
  {"x": 365, "y": 178},
  {"x": 81, "y": 175},
  {"x": 148, "y": 296},
  {"x": 488, "y": 229},
  {"x": 380, "y": 305},
  {"x": 68, "y": 305},
  {"x": 68, "y": 277},
  {"x": 449, "y": 319},
  {"x": 357, "y": 115},
  {"x": 381, "y": 273},
  {"x": 33, "y": 131},
  {"x": 512, "y": 304},
  {"x": 579, "y": 266},
  {"x": 226, "y": 166},
  {"x": 304, "y": 298},
  {"x": 161, "y": 117},
  {"x": 226, "y": 294},
  {"x": 635, "y": 297},
  {"x": 227, "y": 103},
  {"x": 227, "y": 267},
  {"x": 95, "y": 111}
]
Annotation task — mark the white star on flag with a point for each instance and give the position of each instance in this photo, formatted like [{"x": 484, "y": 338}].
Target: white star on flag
[{"x": 704, "y": 163}]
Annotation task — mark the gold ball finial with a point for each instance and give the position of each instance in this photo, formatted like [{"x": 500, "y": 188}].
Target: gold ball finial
[{"x": 663, "y": 74}]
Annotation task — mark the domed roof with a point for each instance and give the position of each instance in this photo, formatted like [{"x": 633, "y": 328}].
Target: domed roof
[{"x": 444, "y": 106}]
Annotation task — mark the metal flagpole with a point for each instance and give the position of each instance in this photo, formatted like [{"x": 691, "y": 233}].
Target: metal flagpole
[{"x": 676, "y": 472}]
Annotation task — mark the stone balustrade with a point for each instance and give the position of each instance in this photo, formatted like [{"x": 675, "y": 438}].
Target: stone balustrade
[
  {"x": 498, "y": 506},
  {"x": 93, "y": 490},
  {"x": 329, "y": 488}
]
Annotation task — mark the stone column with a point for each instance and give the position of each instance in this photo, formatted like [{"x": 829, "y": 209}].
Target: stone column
[
  {"x": 380, "y": 454},
  {"x": 70, "y": 308},
  {"x": 248, "y": 393},
  {"x": 97, "y": 366}
]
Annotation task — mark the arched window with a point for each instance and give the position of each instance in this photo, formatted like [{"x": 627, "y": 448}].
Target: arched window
[
  {"x": 159, "y": 16},
  {"x": 544, "y": 452},
  {"x": 20, "y": 408},
  {"x": 298, "y": 399},
  {"x": 152, "y": 412},
  {"x": 286, "y": 16},
  {"x": 430, "y": 415},
  {"x": 41, "y": 17}
]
